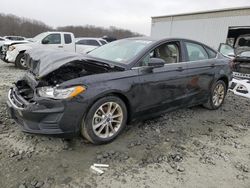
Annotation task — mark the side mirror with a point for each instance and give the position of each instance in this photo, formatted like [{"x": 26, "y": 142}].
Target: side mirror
[
  {"x": 45, "y": 41},
  {"x": 153, "y": 63},
  {"x": 156, "y": 62}
]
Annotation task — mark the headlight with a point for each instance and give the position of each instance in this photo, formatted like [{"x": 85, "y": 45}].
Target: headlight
[
  {"x": 58, "y": 93},
  {"x": 242, "y": 89},
  {"x": 11, "y": 48}
]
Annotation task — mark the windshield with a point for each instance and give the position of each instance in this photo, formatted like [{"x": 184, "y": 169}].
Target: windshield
[
  {"x": 38, "y": 37},
  {"x": 120, "y": 51}
]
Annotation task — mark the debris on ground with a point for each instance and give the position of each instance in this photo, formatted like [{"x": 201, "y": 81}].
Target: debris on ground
[{"x": 192, "y": 147}]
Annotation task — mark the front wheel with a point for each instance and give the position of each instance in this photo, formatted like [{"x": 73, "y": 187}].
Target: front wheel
[
  {"x": 105, "y": 120},
  {"x": 217, "y": 95},
  {"x": 20, "y": 61}
]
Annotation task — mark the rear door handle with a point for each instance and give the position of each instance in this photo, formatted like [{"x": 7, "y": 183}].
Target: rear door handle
[
  {"x": 60, "y": 46},
  {"x": 212, "y": 65}
]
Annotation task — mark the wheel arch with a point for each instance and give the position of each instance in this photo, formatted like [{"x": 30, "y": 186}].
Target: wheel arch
[
  {"x": 118, "y": 94},
  {"x": 126, "y": 102},
  {"x": 22, "y": 51},
  {"x": 225, "y": 80}
]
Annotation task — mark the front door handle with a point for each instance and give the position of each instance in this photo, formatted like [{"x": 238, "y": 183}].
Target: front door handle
[
  {"x": 212, "y": 65},
  {"x": 179, "y": 69},
  {"x": 60, "y": 46}
]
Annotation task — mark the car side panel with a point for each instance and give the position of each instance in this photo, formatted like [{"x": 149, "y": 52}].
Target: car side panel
[
  {"x": 163, "y": 89},
  {"x": 200, "y": 75},
  {"x": 125, "y": 83}
]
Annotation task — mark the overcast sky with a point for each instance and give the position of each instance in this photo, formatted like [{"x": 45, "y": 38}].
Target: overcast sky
[{"x": 134, "y": 15}]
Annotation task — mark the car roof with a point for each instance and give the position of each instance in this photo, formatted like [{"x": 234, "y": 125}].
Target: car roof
[
  {"x": 13, "y": 36},
  {"x": 153, "y": 39},
  {"x": 160, "y": 40},
  {"x": 89, "y": 38},
  {"x": 63, "y": 32}
]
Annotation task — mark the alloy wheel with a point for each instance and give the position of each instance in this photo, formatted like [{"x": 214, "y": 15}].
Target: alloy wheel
[
  {"x": 218, "y": 94},
  {"x": 23, "y": 62},
  {"x": 107, "y": 120}
]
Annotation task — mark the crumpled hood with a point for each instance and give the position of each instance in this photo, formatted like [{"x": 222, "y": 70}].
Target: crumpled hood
[
  {"x": 12, "y": 42},
  {"x": 41, "y": 62}
]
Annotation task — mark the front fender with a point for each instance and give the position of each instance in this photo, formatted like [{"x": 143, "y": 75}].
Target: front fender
[
  {"x": 12, "y": 55},
  {"x": 22, "y": 48}
]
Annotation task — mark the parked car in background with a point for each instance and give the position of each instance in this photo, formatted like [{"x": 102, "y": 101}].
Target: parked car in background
[
  {"x": 14, "y": 38},
  {"x": 109, "y": 38},
  {"x": 5, "y": 47},
  {"x": 64, "y": 41},
  {"x": 87, "y": 44},
  {"x": 97, "y": 94},
  {"x": 2, "y": 40},
  {"x": 240, "y": 53},
  {"x": 8, "y": 41}
]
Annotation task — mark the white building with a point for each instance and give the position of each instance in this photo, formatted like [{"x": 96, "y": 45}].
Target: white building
[{"x": 210, "y": 27}]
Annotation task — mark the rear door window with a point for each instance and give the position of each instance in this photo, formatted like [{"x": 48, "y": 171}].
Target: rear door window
[
  {"x": 211, "y": 53},
  {"x": 103, "y": 42},
  {"x": 88, "y": 42},
  {"x": 196, "y": 52},
  {"x": 82, "y": 42},
  {"x": 93, "y": 43},
  {"x": 67, "y": 38}
]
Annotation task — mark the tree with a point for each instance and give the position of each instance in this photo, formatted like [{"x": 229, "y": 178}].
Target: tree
[{"x": 13, "y": 25}]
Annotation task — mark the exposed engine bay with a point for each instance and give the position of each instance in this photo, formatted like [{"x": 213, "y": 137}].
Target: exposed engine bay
[
  {"x": 26, "y": 87},
  {"x": 242, "y": 65},
  {"x": 240, "y": 85},
  {"x": 71, "y": 71}
]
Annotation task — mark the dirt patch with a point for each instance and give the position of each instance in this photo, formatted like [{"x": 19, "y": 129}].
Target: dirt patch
[{"x": 191, "y": 147}]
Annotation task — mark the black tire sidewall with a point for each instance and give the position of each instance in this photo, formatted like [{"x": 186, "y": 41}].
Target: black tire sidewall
[
  {"x": 86, "y": 125},
  {"x": 17, "y": 62}
]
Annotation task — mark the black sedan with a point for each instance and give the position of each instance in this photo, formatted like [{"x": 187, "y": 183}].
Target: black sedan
[{"x": 130, "y": 79}]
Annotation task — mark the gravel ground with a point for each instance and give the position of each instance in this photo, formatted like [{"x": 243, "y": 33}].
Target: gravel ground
[{"x": 191, "y": 147}]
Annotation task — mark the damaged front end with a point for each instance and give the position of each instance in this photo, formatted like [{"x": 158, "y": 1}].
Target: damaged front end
[
  {"x": 241, "y": 82},
  {"x": 46, "y": 99},
  {"x": 37, "y": 114}
]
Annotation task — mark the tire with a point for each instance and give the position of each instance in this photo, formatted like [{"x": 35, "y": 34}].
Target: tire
[
  {"x": 217, "y": 91},
  {"x": 100, "y": 127},
  {"x": 20, "y": 61}
]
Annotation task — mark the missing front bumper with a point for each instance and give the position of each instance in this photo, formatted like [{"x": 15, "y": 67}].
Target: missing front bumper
[
  {"x": 50, "y": 117},
  {"x": 240, "y": 87}
]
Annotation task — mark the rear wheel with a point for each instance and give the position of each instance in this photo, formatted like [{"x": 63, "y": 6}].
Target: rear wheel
[
  {"x": 217, "y": 95},
  {"x": 20, "y": 61},
  {"x": 105, "y": 120}
]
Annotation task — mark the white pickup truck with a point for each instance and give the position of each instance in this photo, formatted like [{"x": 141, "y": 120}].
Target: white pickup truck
[{"x": 54, "y": 40}]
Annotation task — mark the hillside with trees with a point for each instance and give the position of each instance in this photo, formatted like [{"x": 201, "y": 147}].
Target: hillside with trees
[{"x": 14, "y": 25}]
